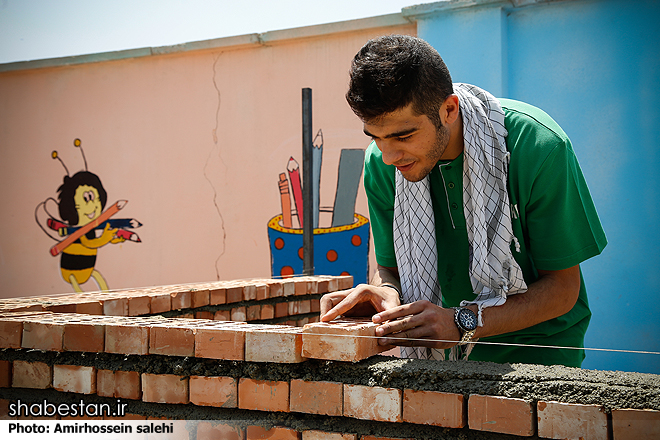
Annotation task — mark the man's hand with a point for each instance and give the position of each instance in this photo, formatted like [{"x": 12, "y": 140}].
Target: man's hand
[
  {"x": 412, "y": 324},
  {"x": 363, "y": 300}
]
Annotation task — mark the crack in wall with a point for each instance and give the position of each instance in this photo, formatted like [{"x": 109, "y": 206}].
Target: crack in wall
[{"x": 216, "y": 146}]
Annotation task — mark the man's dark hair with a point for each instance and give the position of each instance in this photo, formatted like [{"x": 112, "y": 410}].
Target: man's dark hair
[{"x": 390, "y": 72}]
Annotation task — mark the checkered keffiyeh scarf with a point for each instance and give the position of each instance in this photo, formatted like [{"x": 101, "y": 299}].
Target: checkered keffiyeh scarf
[{"x": 493, "y": 271}]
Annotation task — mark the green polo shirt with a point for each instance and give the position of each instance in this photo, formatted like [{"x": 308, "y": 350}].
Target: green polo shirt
[{"x": 553, "y": 217}]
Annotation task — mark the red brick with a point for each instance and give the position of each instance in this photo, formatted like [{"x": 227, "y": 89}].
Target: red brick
[
  {"x": 204, "y": 315},
  {"x": 181, "y": 300},
  {"x": 434, "y": 408},
  {"x": 214, "y": 391},
  {"x": 238, "y": 314},
  {"x": 267, "y": 311},
  {"x": 224, "y": 341},
  {"x": 262, "y": 291},
  {"x": 61, "y": 308},
  {"x": 200, "y": 298},
  {"x": 300, "y": 286},
  {"x": 344, "y": 282},
  {"x": 160, "y": 302},
  {"x": 315, "y": 305},
  {"x": 5, "y": 374},
  {"x": 89, "y": 307},
  {"x": 115, "y": 307},
  {"x": 217, "y": 431},
  {"x": 31, "y": 375},
  {"x": 281, "y": 310},
  {"x": 222, "y": 315},
  {"x": 275, "y": 433},
  {"x": 234, "y": 294},
  {"x": 326, "y": 398},
  {"x": 253, "y": 313},
  {"x": 171, "y": 340},
  {"x": 635, "y": 424},
  {"x": 126, "y": 339},
  {"x": 122, "y": 384},
  {"x": 275, "y": 288},
  {"x": 558, "y": 420},
  {"x": 249, "y": 292},
  {"x": 324, "y": 435},
  {"x": 86, "y": 337},
  {"x": 288, "y": 287},
  {"x": 279, "y": 344},
  {"x": 300, "y": 307},
  {"x": 139, "y": 305},
  {"x": 500, "y": 414},
  {"x": 4, "y": 410},
  {"x": 74, "y": 379},
  {"x": 263, "y": 395},
  {"x": 43, "y": 335},
  {"x": 217, "y": 295},
  {"x": 343, "y": 340},
  {"x": 384, "y": 404},
  {"x": 164, "y": 388},
  {"x": 11, "y": 332}
]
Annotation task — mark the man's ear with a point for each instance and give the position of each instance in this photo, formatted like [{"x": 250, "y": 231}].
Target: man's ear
[{"x": 450, "y": 110}]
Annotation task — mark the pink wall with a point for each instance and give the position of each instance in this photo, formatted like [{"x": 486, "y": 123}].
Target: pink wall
[{"x": 194, "y": 140}]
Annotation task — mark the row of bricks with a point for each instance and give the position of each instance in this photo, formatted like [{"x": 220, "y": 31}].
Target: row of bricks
[
  {"x": 155, "y": 300},
  {"x": 498, "y": 414},
  {"x": 344, "y": 340}
]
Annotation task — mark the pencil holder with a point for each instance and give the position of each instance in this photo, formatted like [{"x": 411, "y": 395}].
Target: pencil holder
[{"x": 339, "y": 250}]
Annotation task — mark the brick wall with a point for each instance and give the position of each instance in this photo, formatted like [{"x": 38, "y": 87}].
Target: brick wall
[{"x": 250, "y": 358}]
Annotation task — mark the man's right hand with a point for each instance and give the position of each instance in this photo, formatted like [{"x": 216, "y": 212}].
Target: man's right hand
[{"x": 362, "y": 300}]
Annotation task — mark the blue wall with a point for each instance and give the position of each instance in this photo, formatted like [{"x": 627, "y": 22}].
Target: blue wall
[{"x": 594, "y": 66}]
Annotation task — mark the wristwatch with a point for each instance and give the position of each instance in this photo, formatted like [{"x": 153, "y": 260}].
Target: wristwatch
[{"x": 466, "y": 321}]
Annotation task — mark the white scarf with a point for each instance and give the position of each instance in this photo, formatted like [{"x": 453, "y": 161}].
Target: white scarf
[{"x": 493, "y": 271}]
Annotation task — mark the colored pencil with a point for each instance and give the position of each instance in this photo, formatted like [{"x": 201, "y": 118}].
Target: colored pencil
[
  {"x": 286, "y": 201},
  {"x": 296, "y": 187},
  {"x": 59, "y": 247}
]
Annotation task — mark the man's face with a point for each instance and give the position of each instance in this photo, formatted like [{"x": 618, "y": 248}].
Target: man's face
[{"x": 410, "y": 142}]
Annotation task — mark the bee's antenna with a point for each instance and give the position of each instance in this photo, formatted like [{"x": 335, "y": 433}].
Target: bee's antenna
[
  {"x": 78, "y": 144},
  {"x": 55, "y": 156}
]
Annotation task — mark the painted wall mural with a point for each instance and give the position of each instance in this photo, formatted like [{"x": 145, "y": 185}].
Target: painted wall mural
[
  {"x": 83, "y": 226},
  {"x": 341, "y": 236}
]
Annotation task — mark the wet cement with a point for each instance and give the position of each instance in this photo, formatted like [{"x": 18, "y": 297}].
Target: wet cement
[{"x": 610, "y": 389}]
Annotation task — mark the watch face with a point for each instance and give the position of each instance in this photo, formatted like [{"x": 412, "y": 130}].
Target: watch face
[{"x": 467, "y": 319}]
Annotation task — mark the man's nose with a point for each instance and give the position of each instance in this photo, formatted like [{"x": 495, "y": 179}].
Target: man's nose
[{"x": 390, "y": 153}]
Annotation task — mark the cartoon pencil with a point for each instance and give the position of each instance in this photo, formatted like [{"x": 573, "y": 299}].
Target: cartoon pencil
[
  {"x": 59, "y": 247},
  {"x": 286, "y": 201},
  {"x": 119, "y": 223},
  {"x": 296, "y": 188}
]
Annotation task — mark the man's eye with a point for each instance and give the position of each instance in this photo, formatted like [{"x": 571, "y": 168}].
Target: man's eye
[{"x": 404, "y": 138}]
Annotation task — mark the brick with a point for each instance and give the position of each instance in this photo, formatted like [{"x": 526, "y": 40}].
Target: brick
[
  {"x": 384, "y": 404},
  {"x": 279, "y": 344},
  {"x": 500, "y": 414},
  {"x": 204, "y": 315},
  {"x": 267, "y": 311},
  {"x": 122, "y": 384},
  {"x": 126, "y": 339},
  {"x": 164, "y": 388},
  {"x": 263, "y": 395},
  {"x": 238, "y": 314},
  {"x": 281, "y": 310},
  {"x": 315, "y": 305},
  {"x": 216, "y": 431},
  {"x": 11, "y": 333},
  {"x": 275, "y": 433},
  {"x": 217, "y": 295},
  {"x": 115, "y": 307},
  {"x": 214, "y": 391},
  {"x": 249, "y": 292},
  {"x": 222, "y": 341},
  {"x": 372, "y": 437},
  {"x": 558, "y": 420},
  {"x": 200, "y": 298},
  {"x": 288, "y": 287},
  {"x": 324, "y": 435},
  {"x": 434, "y": 408},
  {"x": 635, "y": 424},
  {"x": 86, "y": 337},
  {"x": 261, "y": 292},
  {"x": 300, "y": 307},
  {"x": 74, "y": 379},
  {"x": 326, "y": 398},
  {"x": 5, "y": 374},
  {"x": 160, "y": 302},
  {"x": 139, "y": 305},
  {"x": 90, "y": 307},
  {"x": 343, "y": 340},
  {"x": 253, "y": 313},
  {"x": 222, "y": 315},
  {"x": 275, "y": 288},
  {"x": 61, "y": 308},
  {"x": 300, "y": 286},
  {"x": 171, "y": 340},
  {"x": 234, "y": 294},
  {"x": 181, "y": 300},
  {"x": 31, "y": 375},
  {"x": 4, "y": 410},
  {"x": 43, "y": 335}
]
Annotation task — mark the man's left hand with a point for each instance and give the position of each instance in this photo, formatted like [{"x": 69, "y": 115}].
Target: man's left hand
[{"x": 419, "y": 324}]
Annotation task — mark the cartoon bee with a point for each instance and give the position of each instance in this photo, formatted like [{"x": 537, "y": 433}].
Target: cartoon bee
[{"x": 84, "y": 225}]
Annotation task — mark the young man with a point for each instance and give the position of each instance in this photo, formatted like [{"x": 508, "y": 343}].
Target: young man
[{"x": 480, "y": 216}]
